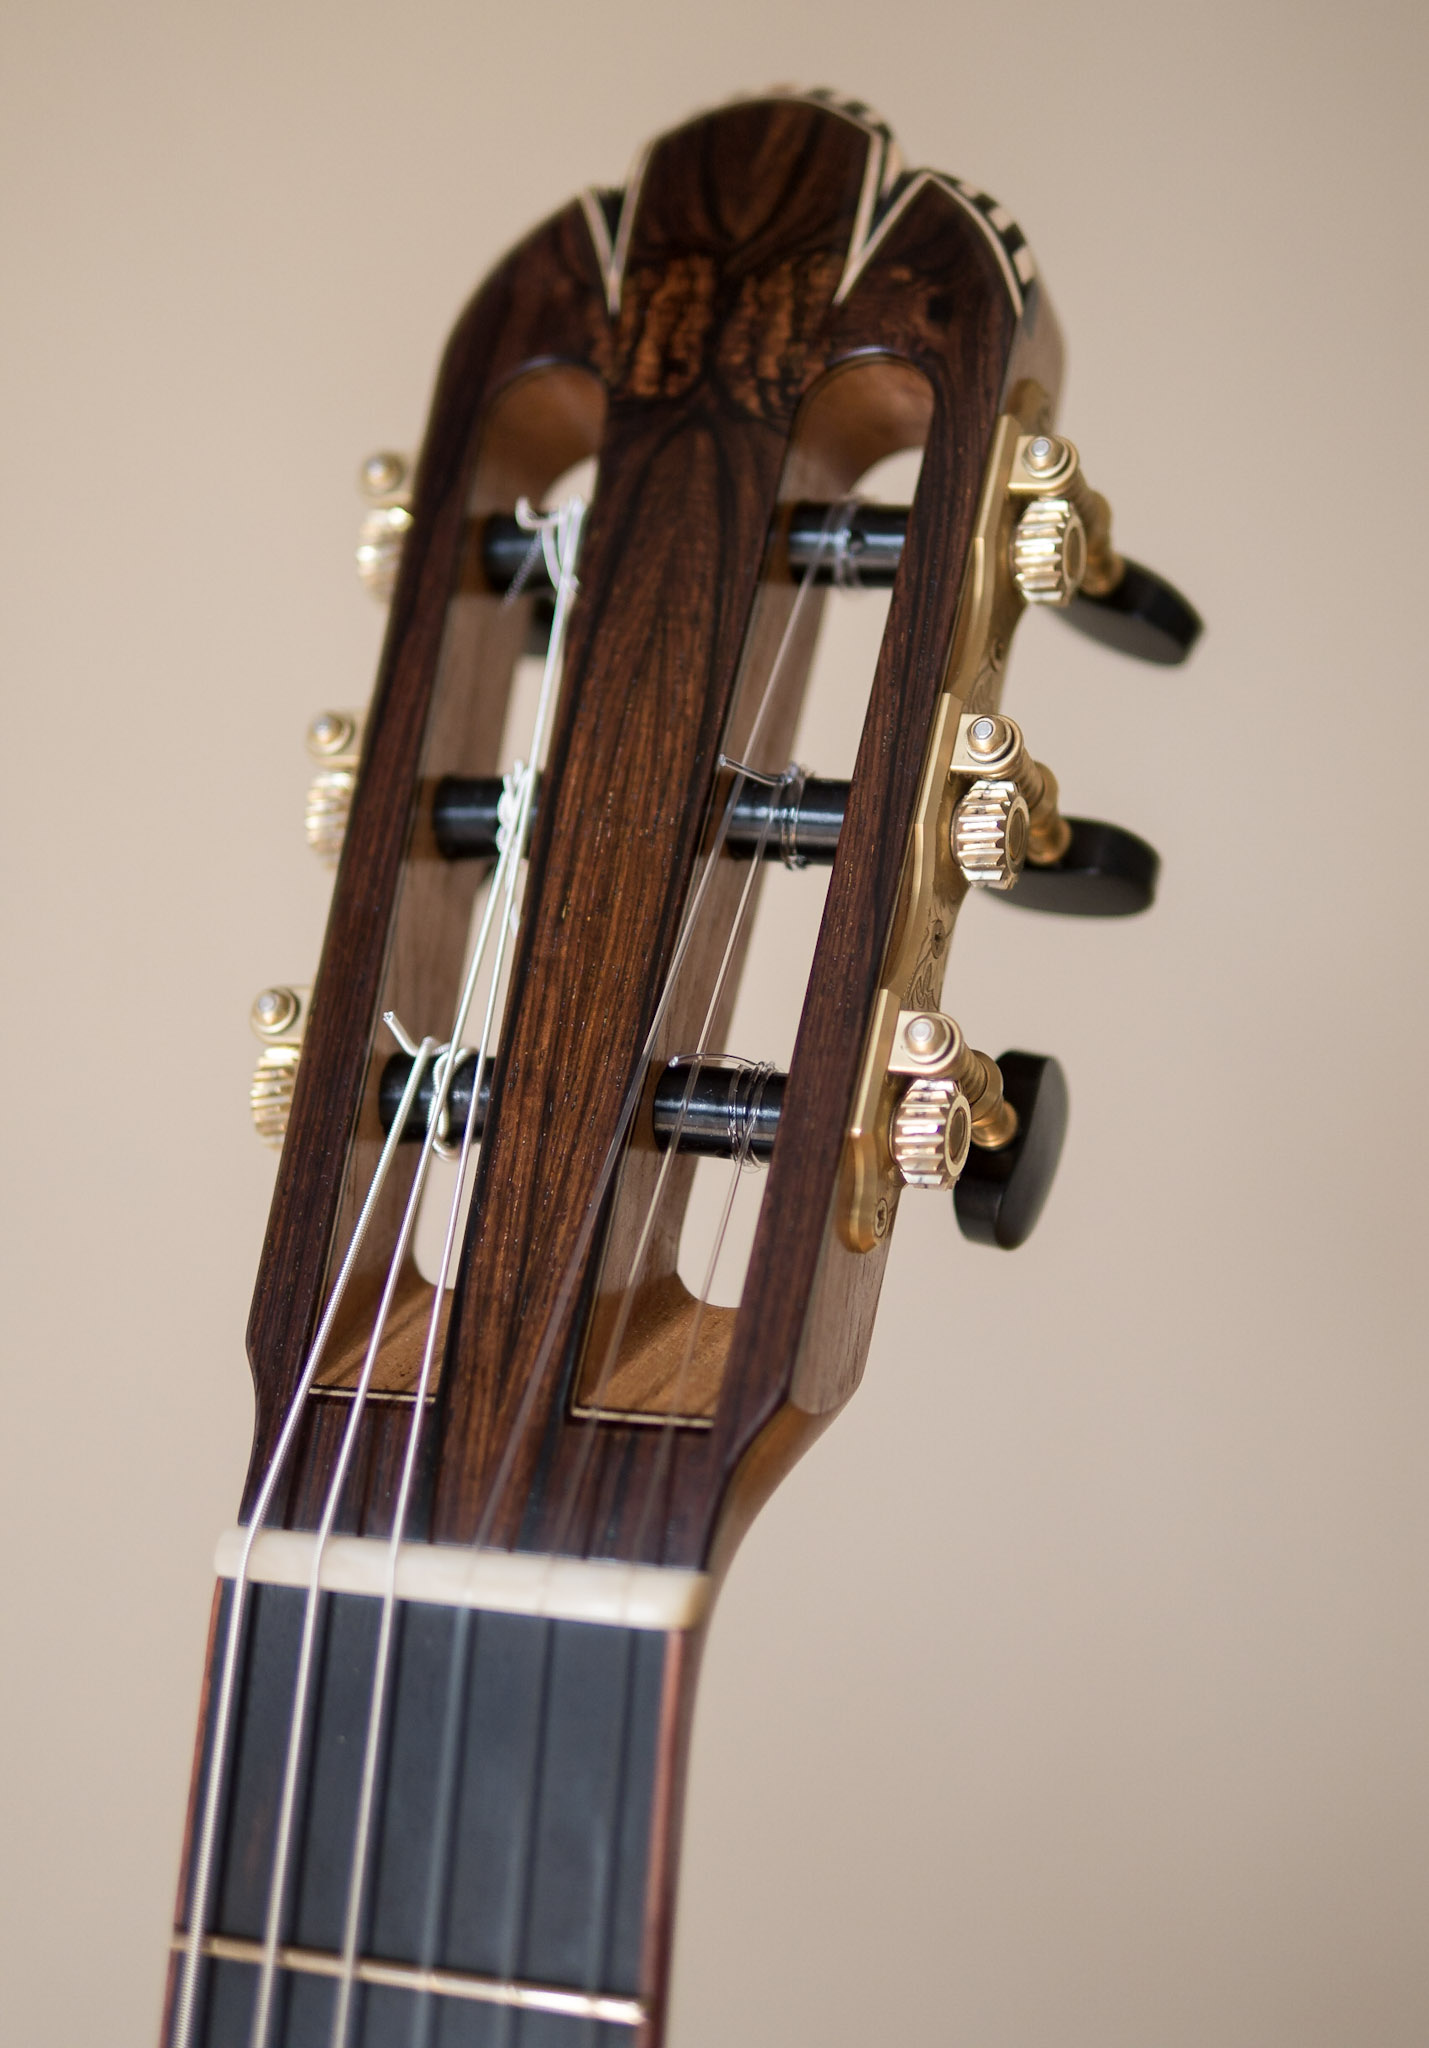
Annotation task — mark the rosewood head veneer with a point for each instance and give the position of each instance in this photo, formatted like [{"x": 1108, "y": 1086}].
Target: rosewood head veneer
[{"x": 438, "y": 1785}]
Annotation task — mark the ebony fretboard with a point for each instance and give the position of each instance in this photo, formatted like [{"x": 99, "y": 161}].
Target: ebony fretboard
[{"x": 509, "y": 1872}]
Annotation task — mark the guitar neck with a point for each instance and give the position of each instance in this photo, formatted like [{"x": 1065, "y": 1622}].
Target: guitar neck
[
  {"x": 514, "y": 1829},
  {"x": 442, "y": 1752}
]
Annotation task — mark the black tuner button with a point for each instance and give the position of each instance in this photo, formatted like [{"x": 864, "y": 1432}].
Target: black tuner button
[
  {"x": 1143, "y": 615},
  {"x": 1103, "y": 872},
  {"x": 999, "y": 1194}
]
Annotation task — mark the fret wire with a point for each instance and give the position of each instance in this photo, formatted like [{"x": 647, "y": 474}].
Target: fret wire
[{"x": 512, "y": 1992}]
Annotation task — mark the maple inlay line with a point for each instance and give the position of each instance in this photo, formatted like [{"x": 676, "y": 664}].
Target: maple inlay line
[{"x": 315, "y": 1962}]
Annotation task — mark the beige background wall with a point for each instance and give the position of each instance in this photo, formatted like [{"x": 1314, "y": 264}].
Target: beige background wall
[{"x": 1074, "y": 1690}]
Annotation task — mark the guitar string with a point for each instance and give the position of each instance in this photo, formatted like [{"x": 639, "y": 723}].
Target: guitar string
[
  {"x": 572, "y": 1276},
  {"x": 668, "y": 1434},
  {"x": 443, "y": 1074},
  {"x": 204, "y": 1861},
  {"x": 559, "y": 534},
  {"x": 743, "y": 774},
  {"x": 668, "y": 1159},
  {"x": 448, "y": 1058},
  {"x": 449, "y": 1746}
]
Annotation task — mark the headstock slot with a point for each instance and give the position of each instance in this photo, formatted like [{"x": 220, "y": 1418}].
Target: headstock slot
[{"x": 656, "y": 1346}]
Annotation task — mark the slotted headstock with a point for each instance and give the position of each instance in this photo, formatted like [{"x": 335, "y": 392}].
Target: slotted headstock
[{"x": 769, "y": 308}]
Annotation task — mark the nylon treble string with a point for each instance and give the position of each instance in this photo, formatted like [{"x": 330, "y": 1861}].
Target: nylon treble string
[
  {"x": 558, "y": 534},
  {"x": 743, "y": 774},
  {"x": 223, "y": 1714},
  {"x": 449, "y": 1747}
]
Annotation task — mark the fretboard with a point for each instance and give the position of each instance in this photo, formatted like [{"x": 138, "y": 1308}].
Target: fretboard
[{"x": 518, "y": 1862}]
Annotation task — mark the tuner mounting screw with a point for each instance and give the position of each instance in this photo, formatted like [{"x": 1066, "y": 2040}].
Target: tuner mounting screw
[
  {"x": 990, "y": 833},
  {"x": 931, "y": 1132},
  {"x": 1049, "y": 552}
]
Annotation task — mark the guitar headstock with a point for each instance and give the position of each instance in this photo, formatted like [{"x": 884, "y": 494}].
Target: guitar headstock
[{"x": 770, "y": 308}]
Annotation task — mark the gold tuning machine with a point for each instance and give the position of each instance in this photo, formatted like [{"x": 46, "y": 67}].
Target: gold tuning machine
[
  {"x": 1061, "y": 545},
  {"x": 953, "y": 1101},
  {"x": 385, "y": 481},
  {"x": 335, "y": 743},
  {"x": 279, "y": 1018},
  {"x": 1008, "y": 811}
]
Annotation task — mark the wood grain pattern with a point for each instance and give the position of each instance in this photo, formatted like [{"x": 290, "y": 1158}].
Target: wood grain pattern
[
  {"x": 740, "y": 360},
  {"x": 731, "y": 377}
]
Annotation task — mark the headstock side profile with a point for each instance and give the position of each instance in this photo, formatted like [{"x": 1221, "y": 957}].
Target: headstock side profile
[{"x": 456, "y": 1633}]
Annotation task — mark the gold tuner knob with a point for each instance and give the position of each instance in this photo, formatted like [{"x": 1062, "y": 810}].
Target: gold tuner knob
[
  {"x": 385, "y": 481},
  {"x": 279, "y": 1017},
  {"x": 989, "y": 748},
  {"x": 1051, "y": 560},
  {"x": 931, "y": 1132},
  {"x": 335, "y": 741},
  {"x": 1049, "y": 552},
  {"x": 990, "y": 829},
  {"x": 929, "y": 1046}
]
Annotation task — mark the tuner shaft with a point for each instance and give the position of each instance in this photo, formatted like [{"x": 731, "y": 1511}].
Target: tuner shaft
[
  {"x": 801, "y": 829},
  {"x": 1102, "y": 871},
  {"x": 705, "y": 1107},
  {"x": 1120, "y": 603}
]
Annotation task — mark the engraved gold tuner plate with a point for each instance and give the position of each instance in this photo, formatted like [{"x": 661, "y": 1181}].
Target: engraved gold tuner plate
[{"x": 934, "y": 883}]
